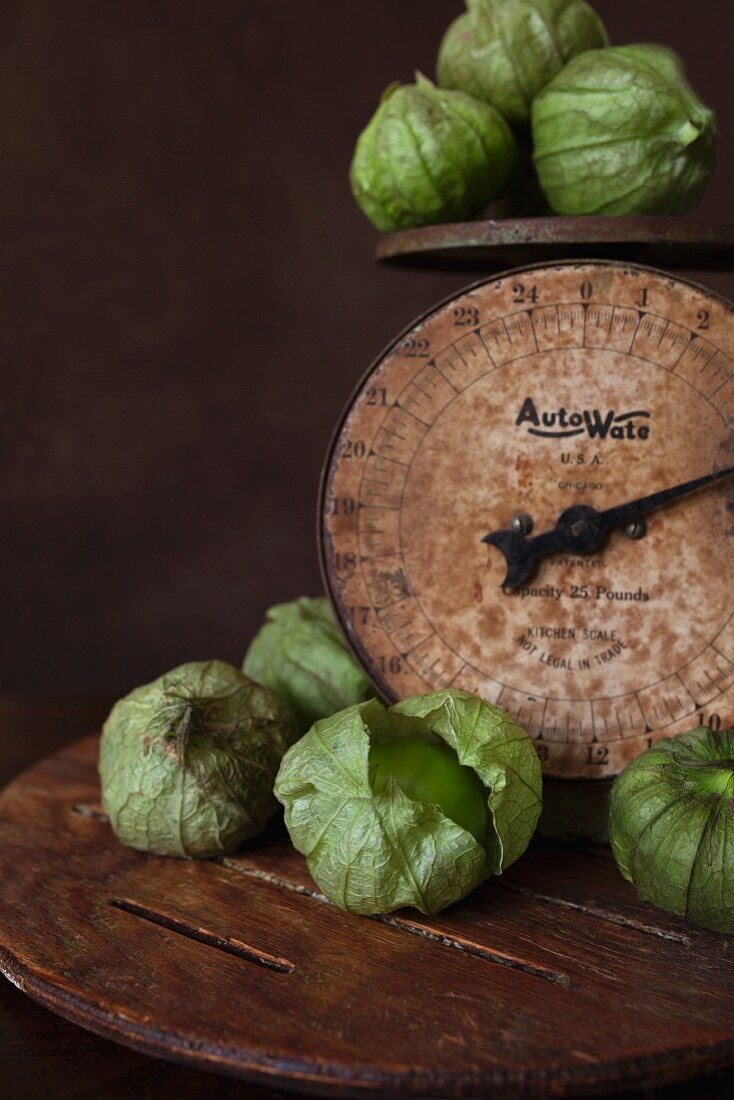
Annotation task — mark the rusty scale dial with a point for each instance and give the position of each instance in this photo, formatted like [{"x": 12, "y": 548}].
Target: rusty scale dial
[{"x": 567, "y": 384}]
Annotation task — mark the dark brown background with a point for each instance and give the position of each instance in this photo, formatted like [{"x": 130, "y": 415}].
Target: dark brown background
[{"x": 189, "y": 297}]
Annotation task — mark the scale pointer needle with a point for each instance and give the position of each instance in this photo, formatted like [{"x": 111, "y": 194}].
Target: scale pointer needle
[{"x": 582, "y": 529}]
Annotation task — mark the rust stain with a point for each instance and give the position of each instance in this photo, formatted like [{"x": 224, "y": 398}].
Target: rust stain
[{"x": 525, "y": 471}]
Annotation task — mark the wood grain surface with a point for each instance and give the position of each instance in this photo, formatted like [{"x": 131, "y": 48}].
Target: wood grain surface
[{"x": 554, "y": 980}]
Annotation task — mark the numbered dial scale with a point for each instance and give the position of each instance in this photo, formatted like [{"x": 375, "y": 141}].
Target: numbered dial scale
[{"x": 592, "y": 384}]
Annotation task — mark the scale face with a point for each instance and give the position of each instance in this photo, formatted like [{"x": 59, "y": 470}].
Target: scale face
[{"x": 579, "y": 383}]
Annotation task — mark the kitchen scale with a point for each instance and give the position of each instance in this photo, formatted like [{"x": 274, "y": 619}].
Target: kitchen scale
[
  {"x": 567, "y": 384},
  {"x": 512, "y": 502}
]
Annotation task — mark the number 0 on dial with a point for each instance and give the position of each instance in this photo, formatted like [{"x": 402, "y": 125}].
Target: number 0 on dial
[{"x": 561, "y": 385}]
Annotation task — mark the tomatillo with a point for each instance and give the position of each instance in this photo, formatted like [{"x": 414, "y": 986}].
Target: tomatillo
[
  {"x": 187, "y": 762},
  {"x": 620, "y": 131},
  {"x": 412, "y": 805},
  {"x": 428, "y": 156},
  {"x": 300, "y": 654},
  {"x": 432, "y": 773},
  {"x": 504, "y": 52},
  {"x": 671, "y": 826}
]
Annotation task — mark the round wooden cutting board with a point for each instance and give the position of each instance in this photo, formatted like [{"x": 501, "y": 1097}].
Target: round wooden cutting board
[{"x": 552, "y": 981}]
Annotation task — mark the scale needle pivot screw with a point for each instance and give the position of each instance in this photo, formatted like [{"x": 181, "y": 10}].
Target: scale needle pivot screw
[
  {"x": 522, "y": 523},
  {"x": 636, "y": 530}
]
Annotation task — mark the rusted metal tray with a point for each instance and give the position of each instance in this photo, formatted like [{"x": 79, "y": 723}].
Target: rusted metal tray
[
  {"x": 508, "y": 242},
  {"x": 553, "y": 981}
]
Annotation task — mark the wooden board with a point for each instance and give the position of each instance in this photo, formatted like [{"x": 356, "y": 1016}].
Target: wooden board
[{"x": 553, "y": 981}]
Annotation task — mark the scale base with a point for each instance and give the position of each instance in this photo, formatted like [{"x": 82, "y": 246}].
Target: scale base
[{"x": 576, "y": 810}]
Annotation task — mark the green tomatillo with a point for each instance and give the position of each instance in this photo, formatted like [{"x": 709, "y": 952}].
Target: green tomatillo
[
  {"x": 671, "y": 826},
  {"x": 412, "y": 805},
  {"x": 620, "y": 131},
  {"x": 187, "y": 762},
  {"x": 430, "y": 156},
  {"x": 301, "y": 654},
  {"x": 505, "y": 51},
  {"x": 432, "y": 773}
]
